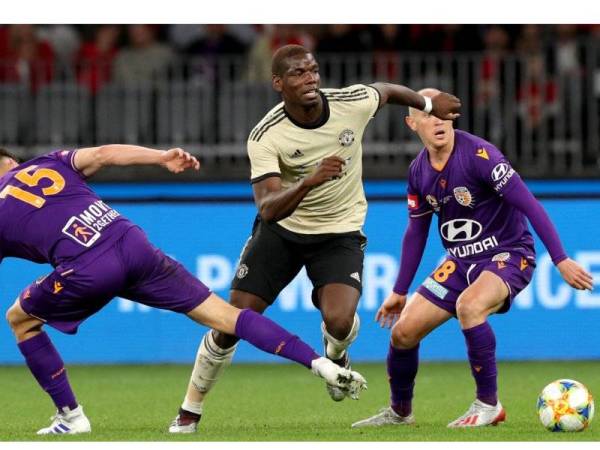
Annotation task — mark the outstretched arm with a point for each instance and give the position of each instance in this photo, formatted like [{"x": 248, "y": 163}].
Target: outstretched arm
[
  {"x": 89, "y": 160},
  {"x": 443, "y": 105},
  {"x": 522, "y": 198}
]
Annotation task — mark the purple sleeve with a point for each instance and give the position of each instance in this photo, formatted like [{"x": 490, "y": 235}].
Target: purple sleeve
[
  {"x": 413, "y": 245},
  {"x": 521, "y": 198}
]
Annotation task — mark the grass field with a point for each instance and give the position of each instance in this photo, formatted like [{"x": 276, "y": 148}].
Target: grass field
[{"x": 285, "y": 403}]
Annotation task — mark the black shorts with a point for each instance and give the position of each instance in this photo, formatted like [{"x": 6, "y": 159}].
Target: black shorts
[{"x": 273, "y": 256}]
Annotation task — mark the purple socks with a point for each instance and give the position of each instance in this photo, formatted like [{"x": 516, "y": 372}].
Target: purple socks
[
  {"x": 47, "y": 367},
  {"x": 402, "y": 366},
  {"x": 481, "y": 348},
  {"x": 266, "y": 335}
]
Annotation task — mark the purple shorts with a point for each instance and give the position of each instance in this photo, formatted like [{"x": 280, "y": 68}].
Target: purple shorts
[
  {"x": 131, "y": 268},
  {"x": 453, "y": 276}
]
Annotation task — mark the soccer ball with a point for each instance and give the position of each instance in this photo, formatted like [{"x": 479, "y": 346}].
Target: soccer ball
[{"x": 565, "y": 405}]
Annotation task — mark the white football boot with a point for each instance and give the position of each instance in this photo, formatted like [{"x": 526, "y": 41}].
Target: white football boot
[
  {"x": 68, "y": 422},
  {"x": 349, "y": 381},
  {"x": 385, "y": 416},
  {"x": 480, "y": 414}
]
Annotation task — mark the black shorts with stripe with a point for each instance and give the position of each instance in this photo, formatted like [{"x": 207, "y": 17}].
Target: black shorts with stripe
[{"x": 273, "y": 256}]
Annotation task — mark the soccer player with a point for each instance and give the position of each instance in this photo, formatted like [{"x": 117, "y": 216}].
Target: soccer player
[
  {"x": 306, "y": 169},
  {"x": 481, "y": 204},
  {"x": 48, "y": 214}
]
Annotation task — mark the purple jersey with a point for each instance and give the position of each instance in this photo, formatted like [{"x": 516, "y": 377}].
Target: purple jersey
[
  {"x": 48, "y": 213},
  {"x": 473, "y": 219}
]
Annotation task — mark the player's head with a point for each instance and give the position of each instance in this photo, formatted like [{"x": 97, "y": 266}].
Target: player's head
[
  {"x": 8, "y": 161},
  {"x": 296, "y": 75},
  {"x": 435, "y": 133}
]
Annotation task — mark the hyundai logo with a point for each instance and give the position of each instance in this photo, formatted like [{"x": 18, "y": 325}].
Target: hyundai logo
[
  {"x": 499, "y": 171},
  {"x": 458, "y": 230}
]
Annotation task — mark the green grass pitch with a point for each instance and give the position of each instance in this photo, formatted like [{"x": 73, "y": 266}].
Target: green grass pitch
[{"x": 281, "y": 402}]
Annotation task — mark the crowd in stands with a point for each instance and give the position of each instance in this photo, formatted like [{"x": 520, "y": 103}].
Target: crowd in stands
[{"x": 97, "y": 54}]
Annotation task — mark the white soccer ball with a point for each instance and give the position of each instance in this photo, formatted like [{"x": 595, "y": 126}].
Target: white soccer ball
[{"x": 565, "y": 405}]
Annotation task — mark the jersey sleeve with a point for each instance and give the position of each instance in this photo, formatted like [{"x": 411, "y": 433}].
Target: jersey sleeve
[
  {"x": 67, "y": 157},
  {"x": 364, "y": 97},
  {"x": 493, "y": 169},
  {"x": 416, "y": 203},
  {"x": 264, "y": 162}
]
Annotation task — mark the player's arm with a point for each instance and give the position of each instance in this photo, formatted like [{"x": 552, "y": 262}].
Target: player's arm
[
  {"x": 521, "y": 198},
  {"x": 89, "y": 160},
  {"x": 413, "y": 246},
  {"x": 443, "y": 105},
  {"x": 275, "y": 203}
]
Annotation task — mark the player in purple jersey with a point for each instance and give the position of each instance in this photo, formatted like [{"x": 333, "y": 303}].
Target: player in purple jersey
[
  {"x": 481, "y": 204},
  {"x": 48, "y": 214}
]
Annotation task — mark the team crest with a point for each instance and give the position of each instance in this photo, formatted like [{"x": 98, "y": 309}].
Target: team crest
[
  {"x": 463, "y": 196},
  {"x": 523, "y": 264},
  {"x": 501, "y": 257},
  {"x": 346, "y": 137},
  {"x": 242, "y": 271}
]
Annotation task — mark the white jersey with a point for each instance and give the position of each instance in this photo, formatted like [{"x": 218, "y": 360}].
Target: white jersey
[{"x": 279, "y": 146}]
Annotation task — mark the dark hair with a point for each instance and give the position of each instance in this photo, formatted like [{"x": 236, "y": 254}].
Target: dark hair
[
  {"x": 6, "y": 154},
  {"x": 278, "y": 63}
]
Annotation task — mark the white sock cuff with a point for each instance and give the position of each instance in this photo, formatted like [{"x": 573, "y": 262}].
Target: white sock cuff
[
  {"x": 348, "y": 339},
  {"x": 213, "y": 350},
  {"x": 195, "y": 407}
]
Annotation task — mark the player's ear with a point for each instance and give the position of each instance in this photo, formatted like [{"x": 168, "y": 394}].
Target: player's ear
[
  {"x": 411, "y": 122},
  {"x": 277, "y": 83}
]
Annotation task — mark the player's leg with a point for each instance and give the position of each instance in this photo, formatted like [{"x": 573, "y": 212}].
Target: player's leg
[
  {"x": 267, "y": 264},
  {"x": 337, "y": 303},
  {"x": 47, "y": 367},
  {"x": 214, "y": 354},
  {"x": 266, "y": 335},
  {"x": 335, "y": 269},
  {"x": 485, "y": 296},
  {"x": 419, "y": 317}
]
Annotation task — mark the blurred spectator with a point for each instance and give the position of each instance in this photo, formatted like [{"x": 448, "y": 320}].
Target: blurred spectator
[
  {"x": 496, "y": 41},
  {"x": 65, "y": 41},
  {"x": 269, "y": 39},
  {"x": 25, "y": 59},
  {"x": 343, "y": 38},
  {"x": 144, "y": 58},
  {"x": 216, "y": 41},
  {"x": 217, "y": 47},
  {"x": 537, "y": 96},
  {"x": 530, "y": 40},
  {"x": 567, "y": 51},
  {"x": 95, "y": 58},
  {"x": 388, "y": 41}
]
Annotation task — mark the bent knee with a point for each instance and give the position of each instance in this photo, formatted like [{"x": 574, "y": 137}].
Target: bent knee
[
  {"x": 469, "y": 306},
  {"x": 403, "y": 337},
  {"x": 339, "y": 326}
]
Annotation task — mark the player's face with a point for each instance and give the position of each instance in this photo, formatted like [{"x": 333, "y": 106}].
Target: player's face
[
  {"x": 435, "y": 133},
  {"x": 300, "y": 83}
]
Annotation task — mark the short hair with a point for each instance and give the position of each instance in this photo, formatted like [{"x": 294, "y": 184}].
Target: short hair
[
  {"x": 6, "y": 154},
  {"x": 278, "y": 63}
]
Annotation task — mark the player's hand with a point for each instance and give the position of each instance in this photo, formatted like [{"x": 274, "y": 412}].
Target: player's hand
[
  {"x": 177, "y": 160},
  {"x": 389, "y": 312},
  {"x": 575, "y": 275},
  {"x": 445, "y": 106},
  {"x": 327, "y": 170}
]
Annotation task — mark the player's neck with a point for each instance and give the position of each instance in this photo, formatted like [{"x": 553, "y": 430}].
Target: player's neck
[
  {"x": 438, "y": 157},
  {"x": 304, "y": 115}
]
